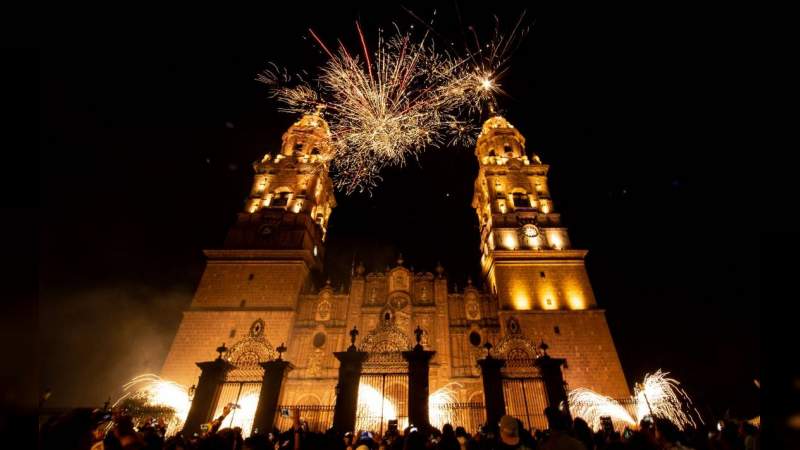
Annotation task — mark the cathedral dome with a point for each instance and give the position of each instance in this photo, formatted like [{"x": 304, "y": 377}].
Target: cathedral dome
[
  {"x": 312, "y": 121},
  {"x": 499, "y": 138},
  {"x": 493, "y": 123},
  {"x": 308, "y": 136}
]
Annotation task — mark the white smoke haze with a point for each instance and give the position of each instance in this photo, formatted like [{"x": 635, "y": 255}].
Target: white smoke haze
[{"x": 94, "y": 340}]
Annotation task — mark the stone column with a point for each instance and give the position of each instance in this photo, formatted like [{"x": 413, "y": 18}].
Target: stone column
[
  {"x": 275, "y": 373},
  {"x": 418, "y": 381},
  {"x": 350, "y": 363},
  {"x": 212, "y": 376},
  {"x": 494, "y": 401},
  {"x": 553, "y": 378}
]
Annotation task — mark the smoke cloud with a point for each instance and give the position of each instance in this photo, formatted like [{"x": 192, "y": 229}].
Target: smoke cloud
[{"x": 94, "y": 340}]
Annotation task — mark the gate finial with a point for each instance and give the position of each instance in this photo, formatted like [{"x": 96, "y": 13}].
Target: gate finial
[
  {"x": 221, "y": 349},
  {"x": 353, "y": 334},
  {"x": 281, "y": 349},
  {"x": 543, "y": 347},
  {"x": 488, "y": 346}
]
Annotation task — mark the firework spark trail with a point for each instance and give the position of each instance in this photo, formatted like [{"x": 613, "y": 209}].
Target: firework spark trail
[
  {"x": 410, "y": 97},
  {"x": 437, "y": 401},
  {"x": 664, "y": 395},
  {"x": 156, "y": 391},
  {"x": 666, "y": 399},
  {"x": 591, "y": 406}
]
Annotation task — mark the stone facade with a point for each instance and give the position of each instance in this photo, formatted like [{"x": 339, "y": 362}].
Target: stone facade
[{"x": 537, "y": 287}]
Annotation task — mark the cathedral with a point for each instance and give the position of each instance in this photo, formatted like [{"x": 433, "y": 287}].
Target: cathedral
[{"x": 258, "y": 297}]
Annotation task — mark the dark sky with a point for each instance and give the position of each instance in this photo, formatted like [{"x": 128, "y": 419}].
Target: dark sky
[{"x": 150, "y": 122}]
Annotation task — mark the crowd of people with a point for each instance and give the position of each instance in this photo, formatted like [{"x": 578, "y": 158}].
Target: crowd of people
[{"x": 102, "y": 430}]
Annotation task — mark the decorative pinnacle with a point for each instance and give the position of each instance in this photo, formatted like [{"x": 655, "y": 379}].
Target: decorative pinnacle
[
  {"x": 221, "y": 349},
  {"x": 469, "y": 281},
  {"x": 543, "y": 347},
  {"x": 353, "y": 334},
  {"x": 488, "y": 346},
  {"x": 439, "y": 269},
  {"x": 281, "y": 349},
  {"x": 400, "y": 260}
]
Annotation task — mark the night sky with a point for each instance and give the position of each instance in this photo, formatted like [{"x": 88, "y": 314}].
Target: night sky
[{"x": 150, "y": 123}]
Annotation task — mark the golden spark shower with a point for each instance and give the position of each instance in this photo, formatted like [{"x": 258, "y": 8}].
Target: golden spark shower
[
  {"x": 149, "y": 396},
  {"x": 657, "y": 396},
  {"x": 387, "y": 104}
]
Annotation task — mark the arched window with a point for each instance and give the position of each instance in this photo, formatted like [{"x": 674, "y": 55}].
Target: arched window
[
  {"x": 280, "y": 200},
  {"x": 315, "y": 151},
  {"x": 507, "y": 149},
  {"x": 521, "y": 200},
  {"x": 492, "y": 153}
]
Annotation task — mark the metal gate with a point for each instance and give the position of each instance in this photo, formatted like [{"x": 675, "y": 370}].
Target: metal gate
[
  {"x": 244, "y": 396},
  {"x": 319, "y": 418},
  {"x": 524, "y": 391},
  {"x": 470, "y": 415},
  {"x": 526, "y": 400},
  {"x": 382, "y": 397}
]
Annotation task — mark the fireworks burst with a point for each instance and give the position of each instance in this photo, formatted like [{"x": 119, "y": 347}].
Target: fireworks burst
[
  {"x": 591, "y": 406},
  {"x": 373, "y": 408},
  {"x": 665, "y": 398},
  {"x": 437, "y": 404},
  {"x": 390, "y": 104},
  {"x": 158, "y": 393}
]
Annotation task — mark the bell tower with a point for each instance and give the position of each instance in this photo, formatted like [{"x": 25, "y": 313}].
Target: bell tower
[
  {"x": 292, "y": 195},
  {"x": 265, "y": 265},
  {"x": 526, "y": 257}
]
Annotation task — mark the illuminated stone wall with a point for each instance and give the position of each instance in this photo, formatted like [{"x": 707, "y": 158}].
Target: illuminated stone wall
[
  {"x": 203, "y": 330},
  {"x": 583, "y": 339},
  {"x": 258, "y": 290}
]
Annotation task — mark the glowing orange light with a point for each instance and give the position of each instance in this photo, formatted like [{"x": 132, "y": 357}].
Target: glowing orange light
[
  {"x": 556, "y": 241},
  {"x": 576, "y": 302},
  {"x": 510, "y": 241},
  {"x": 549, "y": 304},
  {"x": 522, "y": 301}
]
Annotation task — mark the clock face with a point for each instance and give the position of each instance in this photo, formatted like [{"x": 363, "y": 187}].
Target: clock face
[{"x": 530, "y": 230}]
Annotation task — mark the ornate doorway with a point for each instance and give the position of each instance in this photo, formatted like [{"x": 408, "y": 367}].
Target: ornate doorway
[
  {"x": 242, "y": 385},
  {"x": 383, "y": 387},
  {"x": 523, "y": 386}
]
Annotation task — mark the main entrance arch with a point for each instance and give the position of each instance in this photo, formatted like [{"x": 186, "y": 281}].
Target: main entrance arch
[{"x": 383, "y": 386}]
